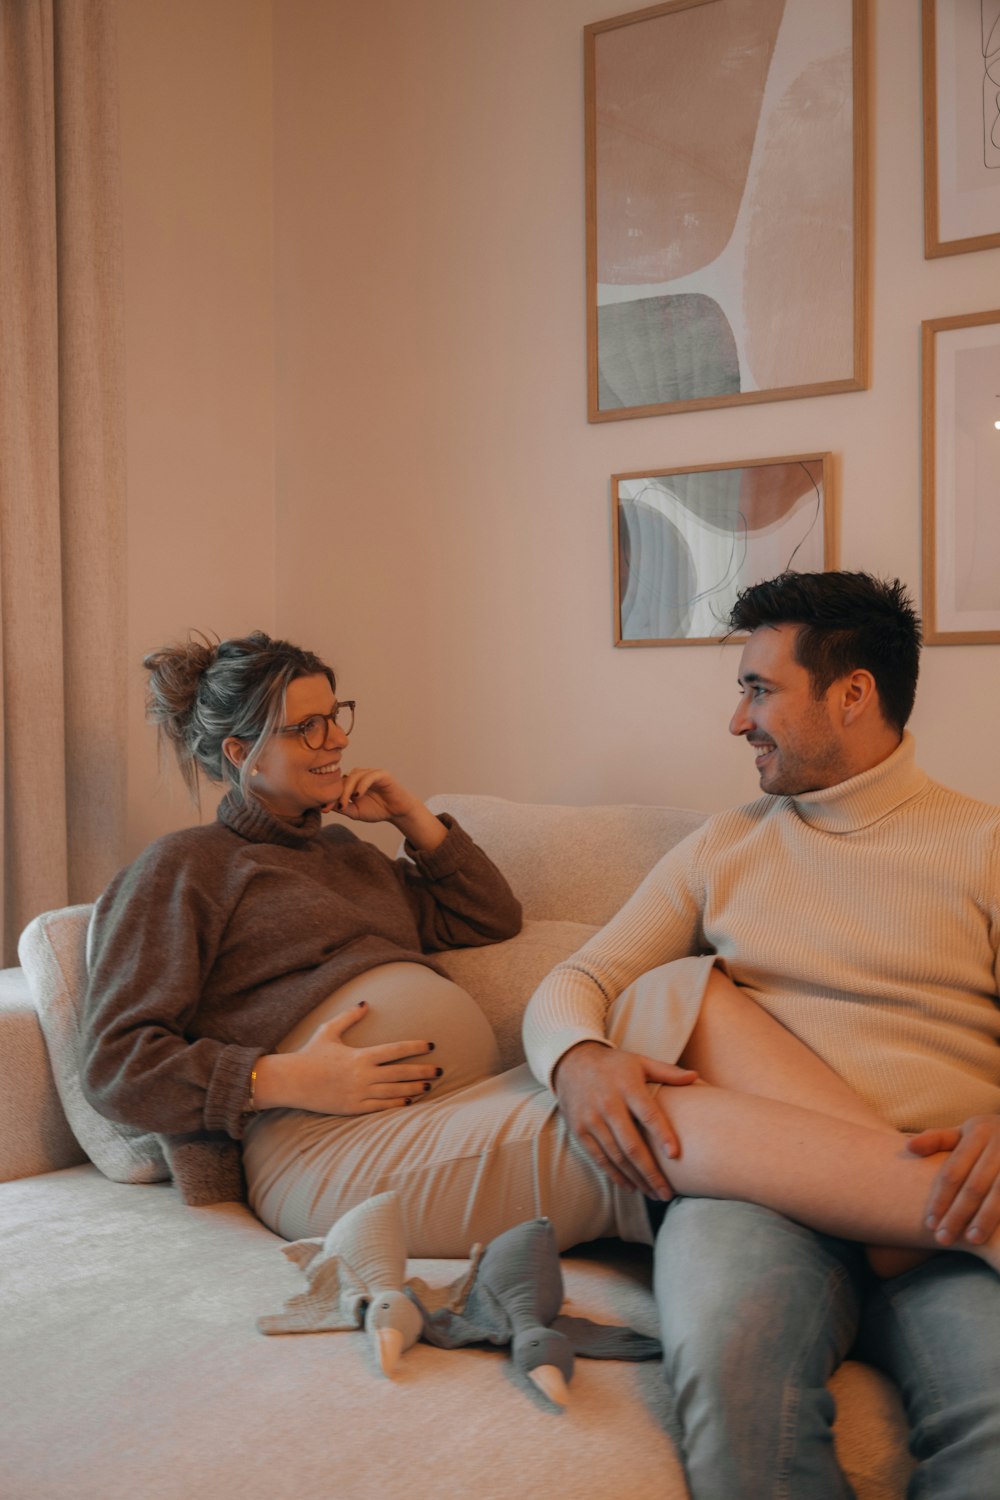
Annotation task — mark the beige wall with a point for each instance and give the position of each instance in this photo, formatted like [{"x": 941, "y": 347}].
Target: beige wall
[
  {"x": 441, "y": 507},
  {"x": 196, "y": 130}
]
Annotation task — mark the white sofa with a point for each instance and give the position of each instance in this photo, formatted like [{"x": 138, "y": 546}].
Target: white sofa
[{"x": 130, "y": 1364}]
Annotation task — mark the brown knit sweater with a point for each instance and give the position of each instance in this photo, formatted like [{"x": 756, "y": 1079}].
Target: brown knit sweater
[{"x": 207, "y": 950}]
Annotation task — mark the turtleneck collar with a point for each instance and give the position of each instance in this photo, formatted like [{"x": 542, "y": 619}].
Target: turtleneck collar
[
  {"x": 865, "y": 799},
  {"x": 253, "y": 822}
]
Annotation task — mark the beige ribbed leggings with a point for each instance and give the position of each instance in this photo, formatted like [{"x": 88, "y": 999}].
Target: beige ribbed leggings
[{"x": 485, "y": 1150}]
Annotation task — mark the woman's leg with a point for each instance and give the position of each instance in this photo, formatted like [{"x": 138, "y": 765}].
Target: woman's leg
[
  {"x": 466, "y": 1167},
  {"x": 741, "y": 1143},
  {"x": 831, "y": 1174},
  {"x": 737, "y": 1045}
]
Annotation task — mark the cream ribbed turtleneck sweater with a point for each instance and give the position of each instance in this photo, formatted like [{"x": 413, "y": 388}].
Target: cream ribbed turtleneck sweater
[{"x": 864, "y": 917}]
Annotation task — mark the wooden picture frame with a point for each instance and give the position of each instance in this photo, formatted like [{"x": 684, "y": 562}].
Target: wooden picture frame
[
  {"x": 961, "y": 87},
  {"x": 685, "y": 541},
  {"x": 727, "y": 204},
  {"x": 960, "y": 593}
]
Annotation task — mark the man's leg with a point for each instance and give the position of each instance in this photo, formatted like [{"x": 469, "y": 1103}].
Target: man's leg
[
  {"x": 756, "y": 1313},
  {"x": 936, "y": 1332}
]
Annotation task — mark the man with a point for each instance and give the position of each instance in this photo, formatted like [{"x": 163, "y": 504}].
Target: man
[{"x": 859, "y": 904}]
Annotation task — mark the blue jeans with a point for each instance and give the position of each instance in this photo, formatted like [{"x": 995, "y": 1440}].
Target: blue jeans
[{"x": 756, "y": 1314}]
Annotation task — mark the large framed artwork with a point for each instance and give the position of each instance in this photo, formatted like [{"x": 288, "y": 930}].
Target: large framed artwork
[
  {"x": 685, "y": 541},
  {"x": 961, "y": 479},
  {"x": 727, "y": 204},
  {"x": 961, "y": 55}
]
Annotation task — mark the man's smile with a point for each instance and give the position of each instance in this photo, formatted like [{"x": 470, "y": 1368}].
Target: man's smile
[{"x": 762, "y": 749}]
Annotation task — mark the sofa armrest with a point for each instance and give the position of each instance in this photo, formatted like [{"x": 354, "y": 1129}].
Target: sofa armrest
[{"x": 34, "y": 1134}]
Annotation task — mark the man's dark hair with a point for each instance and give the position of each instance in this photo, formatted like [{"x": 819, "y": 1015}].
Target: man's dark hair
[{"x": 847, "y": 620}]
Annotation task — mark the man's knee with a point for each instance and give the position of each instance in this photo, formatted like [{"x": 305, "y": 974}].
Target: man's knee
[{"x": 739, "y": 1286}]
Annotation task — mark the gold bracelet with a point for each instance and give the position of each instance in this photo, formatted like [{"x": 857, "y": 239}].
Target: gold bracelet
[{"x": 251, "y": 1101}]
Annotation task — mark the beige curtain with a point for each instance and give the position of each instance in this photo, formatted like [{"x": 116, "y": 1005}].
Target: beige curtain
[{"x": 62, "y": 486}]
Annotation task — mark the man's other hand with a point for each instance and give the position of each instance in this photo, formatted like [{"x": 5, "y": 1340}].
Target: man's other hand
[
  {"x": 965, "y": 1197},
  {"x": 605, "y": 1096}
]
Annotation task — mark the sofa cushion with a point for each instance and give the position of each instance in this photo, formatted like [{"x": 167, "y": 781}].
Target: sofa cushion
[
  {"x": 570, "y": 863},
  {"x": 503, "y": 977},
  {"x": 52, "y": 951}
]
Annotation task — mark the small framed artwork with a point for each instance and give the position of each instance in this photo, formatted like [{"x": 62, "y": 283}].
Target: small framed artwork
[
  {"x": 686, "y": 541},
  {"x": 961, "y": 66},
  {"x": 727, "y": 204},
  {"x": 961, "y": 479}
]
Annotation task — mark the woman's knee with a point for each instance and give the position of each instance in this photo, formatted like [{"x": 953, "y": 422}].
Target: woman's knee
[{"x": 656, "y": 1014}]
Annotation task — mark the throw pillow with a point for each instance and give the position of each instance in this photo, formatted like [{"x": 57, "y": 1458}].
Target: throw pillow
[{"x": 52, "y": 951}]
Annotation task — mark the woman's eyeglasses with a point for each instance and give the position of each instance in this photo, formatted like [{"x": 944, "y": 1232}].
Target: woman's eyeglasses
[{"x": 313, "y": 731}]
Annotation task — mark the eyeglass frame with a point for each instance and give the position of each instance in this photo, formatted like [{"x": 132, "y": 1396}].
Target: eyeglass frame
[{"x": 300, "y": 728}]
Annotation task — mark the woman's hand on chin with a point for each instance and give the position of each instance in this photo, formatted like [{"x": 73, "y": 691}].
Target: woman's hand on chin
[{"x": 371, "y": 795}]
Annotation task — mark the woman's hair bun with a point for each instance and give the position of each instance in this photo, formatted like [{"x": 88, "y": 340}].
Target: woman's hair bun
[{"x": 175, "y": 675}]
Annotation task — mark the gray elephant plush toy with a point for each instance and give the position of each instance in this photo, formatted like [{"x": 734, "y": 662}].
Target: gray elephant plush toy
[
  {"x": 511, "y": 1293},
  {"x": 515, "y": 1298}
]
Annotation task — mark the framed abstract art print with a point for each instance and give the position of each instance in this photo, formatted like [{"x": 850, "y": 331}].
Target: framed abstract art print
[
  {"x": 961, "y": 65},
  {"x": 961, "y": 479},
  {"x": 727, "y": 204},
  {"x": 686, "y": 541}
]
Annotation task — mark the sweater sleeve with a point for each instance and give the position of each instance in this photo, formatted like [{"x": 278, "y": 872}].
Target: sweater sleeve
[
  {"x": 660, "y": 922},
  {"x": 459, "y": 897},
  {"x": 154, "y": 936}
]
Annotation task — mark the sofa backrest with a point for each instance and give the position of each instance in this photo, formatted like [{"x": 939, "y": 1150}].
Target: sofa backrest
[{"x": 577, "y": 864}]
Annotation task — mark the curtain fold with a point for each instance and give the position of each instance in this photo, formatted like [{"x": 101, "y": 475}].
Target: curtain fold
[{"x": 62, "y": 468}]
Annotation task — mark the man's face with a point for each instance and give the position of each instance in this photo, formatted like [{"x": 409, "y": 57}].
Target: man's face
[{"x": 798, "y": 739}]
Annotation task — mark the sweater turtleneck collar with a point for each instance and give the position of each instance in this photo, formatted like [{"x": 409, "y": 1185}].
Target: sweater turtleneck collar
[
  {"x": 865, "y": 799},
  {"x": 253, "y": 822}
]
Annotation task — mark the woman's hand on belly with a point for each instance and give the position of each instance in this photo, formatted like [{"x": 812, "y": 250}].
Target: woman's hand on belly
[{"x": 330, "y": 1077}]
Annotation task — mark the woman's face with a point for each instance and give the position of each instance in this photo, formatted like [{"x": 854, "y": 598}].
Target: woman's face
[{"x": 290, "y": 778}]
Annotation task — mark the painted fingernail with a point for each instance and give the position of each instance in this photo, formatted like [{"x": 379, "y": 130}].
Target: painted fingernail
[
  {"x": 427, "y": 1088},
  {"x": 363, "y": 1004},
  {"x": 438, "y": 1072},
  {"x": 430, "y": 1046},
  {"x": 407, "y": 1101}
]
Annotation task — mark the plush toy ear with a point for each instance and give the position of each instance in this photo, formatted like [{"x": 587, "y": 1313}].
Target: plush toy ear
[
  {"x": 453, "y": 1295},
  {"x": 607, "y": 1340},
  {"x": 302, "y": 1253},
  {"x": 334, "y": 1299}
]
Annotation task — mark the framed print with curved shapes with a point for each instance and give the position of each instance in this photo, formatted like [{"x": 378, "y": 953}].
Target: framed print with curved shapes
[
  {"x": 961, "y": 480},
  {"x": 686, "y": 541},
  {"x": 961, "y": 65},
  {"x": 727, "y": 204}
]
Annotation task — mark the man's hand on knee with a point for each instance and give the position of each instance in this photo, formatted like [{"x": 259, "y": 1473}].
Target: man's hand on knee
[{"x": 609, "y": 1106}]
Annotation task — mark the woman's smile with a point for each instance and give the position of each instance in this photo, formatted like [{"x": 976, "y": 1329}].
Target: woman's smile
[
  {"x": 290, "y": 778},
  {"x": 332, "y": 768}
]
